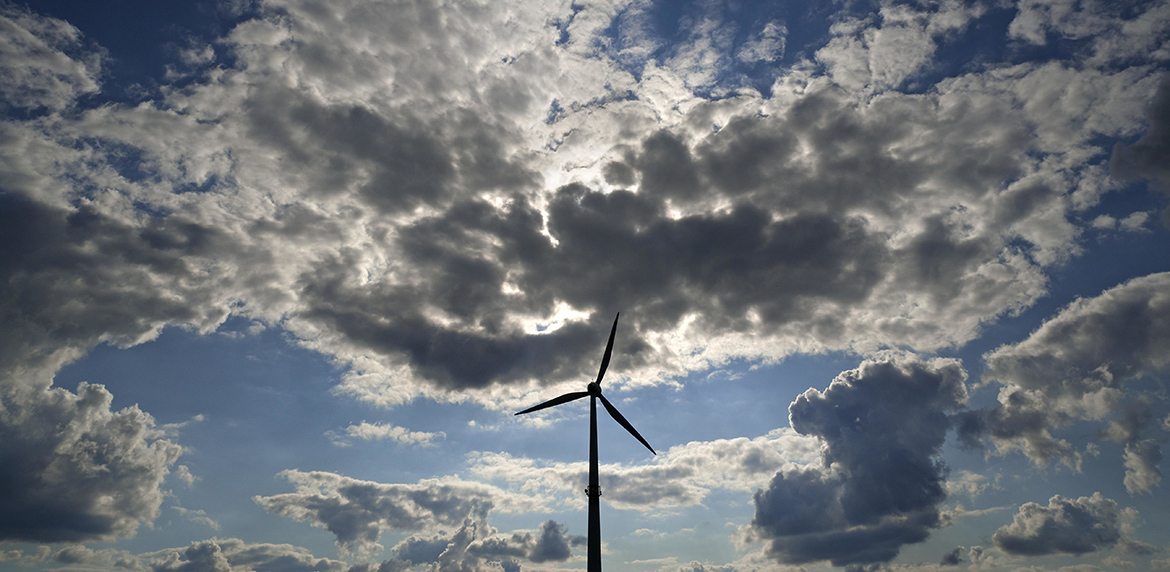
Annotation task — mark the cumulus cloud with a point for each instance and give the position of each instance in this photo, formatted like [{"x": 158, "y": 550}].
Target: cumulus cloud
[
  {"x": 552, "y": 543},
  {"x": 880, "y": 482},
  {"x": 682, "y": 476},
  {"x": 1078, "y": 365},
  {"x": 357, "y": 511},
  {"x": 1065, "y": 526},
  {"x": 75, "y": 470}
]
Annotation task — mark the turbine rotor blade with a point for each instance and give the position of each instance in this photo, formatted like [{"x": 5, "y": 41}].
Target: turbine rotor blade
[
  {"x": 608, "y": 350},
  {"x": 613, "y": 412},
  {"x": 556, "y": 401}
]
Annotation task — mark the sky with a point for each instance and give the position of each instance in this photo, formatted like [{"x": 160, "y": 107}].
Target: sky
[{"x": 275, "y": 275}]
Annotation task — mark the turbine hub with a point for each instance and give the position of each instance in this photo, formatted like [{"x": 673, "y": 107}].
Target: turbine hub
[{"x": 593, "y": 389}]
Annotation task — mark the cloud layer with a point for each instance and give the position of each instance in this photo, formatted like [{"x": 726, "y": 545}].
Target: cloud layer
[{"x": 410, "y": 219}]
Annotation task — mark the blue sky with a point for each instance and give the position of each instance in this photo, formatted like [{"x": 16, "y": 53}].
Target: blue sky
[{"x": 893, "y": 278}]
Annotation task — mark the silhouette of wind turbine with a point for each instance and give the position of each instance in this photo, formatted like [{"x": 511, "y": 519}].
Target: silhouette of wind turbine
[{"x": 593, "y": 391}]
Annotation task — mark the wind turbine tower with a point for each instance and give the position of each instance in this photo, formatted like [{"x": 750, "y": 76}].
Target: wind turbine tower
[{"x": 593, "y": 392}]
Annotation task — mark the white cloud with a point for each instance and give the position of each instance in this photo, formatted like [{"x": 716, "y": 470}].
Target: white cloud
[
  {"x": 381, "y": 432},
  {"x": 1141, "y": 466},
  {"x": 197, "y": 516},
  {"x": 682, "y": 476},
  {"x": 42, "y": 62},
  {"x": 767, "y": 45},
  {"x": 968, "y": 483},
  {"x": 183, "y": 473},
  {"x": 1113, "y": 36},
  {"x": 882, "y": 51}
]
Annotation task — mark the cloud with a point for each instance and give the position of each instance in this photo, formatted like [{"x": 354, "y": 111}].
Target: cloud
[
  {"x": 952, "y": 558},
  {"x": 866, "y": 56},
  {"x": 1141, "y": 466},
  {"x": 357, "y": 511},
  {"x": 475, "y": 545},
  {"x": 766, "y": 46},
  {"x": 696, "y": 566},
  {"x": 213, "y": 555},
  {"x": 971, "y": 484},
  {"x": 42, "y": 62},
  {"x": 183, "y": 473},
  {"x": 1065, "y": 526},
  {"x": 552, "y": 543},
  {"x": 374, "y": 183},
  {"x": 198, "y": 516},
  {"x": 682, "y": 476},
  {"x": 19, "y": 557},
  {"x": 1114, "y": 35},
  {"x": 380, "y": 432},
  {"x": 880, "y": 482},
  {"x": 1078, "y": 365},
  {"x": 75, "y": 470},
  {"x": 1140, "y": 159},
  {"x": 471, "y": 547}
]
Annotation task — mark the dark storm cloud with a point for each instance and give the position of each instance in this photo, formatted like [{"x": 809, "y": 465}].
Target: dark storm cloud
[
  {"x": 1068, "y": 526},
  {"x": 72, "y": 470},
  {"x": 880, "y": 481},
  {"x": 1082, "y": 364}
]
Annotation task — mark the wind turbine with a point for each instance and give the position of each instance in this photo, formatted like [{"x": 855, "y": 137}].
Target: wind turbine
[{"x": 593, "y": 391}]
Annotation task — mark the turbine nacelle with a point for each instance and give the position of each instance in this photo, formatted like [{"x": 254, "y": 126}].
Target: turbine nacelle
[{"x": 594, "y": 390}]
